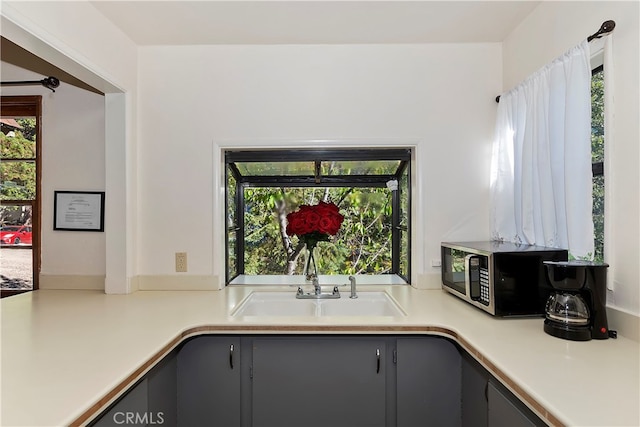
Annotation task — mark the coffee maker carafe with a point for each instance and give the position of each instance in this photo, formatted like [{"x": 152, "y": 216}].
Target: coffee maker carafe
[{"x": 576, "y": 309}]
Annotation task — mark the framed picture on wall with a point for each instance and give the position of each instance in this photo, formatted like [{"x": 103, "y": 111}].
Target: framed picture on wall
[{"x": 78, "y": 210}]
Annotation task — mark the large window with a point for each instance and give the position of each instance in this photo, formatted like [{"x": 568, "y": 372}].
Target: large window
[
  {"x": 597, "y": 154},
  {"x": 371, "y": 187}
]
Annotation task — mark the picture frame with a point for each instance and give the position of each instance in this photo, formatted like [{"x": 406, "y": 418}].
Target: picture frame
[{"x": 78, "y": 210}]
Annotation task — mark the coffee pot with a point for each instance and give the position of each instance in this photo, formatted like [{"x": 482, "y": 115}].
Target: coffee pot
[{"x": 576, "y": 309}]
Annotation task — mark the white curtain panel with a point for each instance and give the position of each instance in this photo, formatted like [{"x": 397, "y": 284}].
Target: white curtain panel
[{"x": 541, "y": 179}]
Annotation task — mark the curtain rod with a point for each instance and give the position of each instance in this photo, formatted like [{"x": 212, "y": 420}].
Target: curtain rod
[
  {"x": 49, "y": 82},
  {"x": 605, "y": 28}
]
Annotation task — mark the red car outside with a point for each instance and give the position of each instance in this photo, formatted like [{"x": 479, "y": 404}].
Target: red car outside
[{"x": 15, "y": 234}]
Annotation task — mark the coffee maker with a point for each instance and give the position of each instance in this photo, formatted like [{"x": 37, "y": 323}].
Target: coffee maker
[{"x": 576, "y": 309}]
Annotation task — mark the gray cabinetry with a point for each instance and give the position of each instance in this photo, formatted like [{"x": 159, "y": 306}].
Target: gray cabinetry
[
  {"x": 506, "y": 411},
  {"x": 161, "y": 392},
  {"x": 208, "y": 386},
  {"x": 307, "y": 381},
  {"x": 151, "y": 401},
  {"x": 428, "y": 382},
  {"x": 487, "y": 403},
  {"x": 319, "y": 380},
  {"x": 474, "y": 393},
  {"x": 135, "y": 402}
]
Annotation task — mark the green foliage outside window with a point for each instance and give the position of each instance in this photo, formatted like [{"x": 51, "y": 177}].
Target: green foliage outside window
[
  {"x": 18, "y": 178},
  {"x": 18, "y": 172},
  {"x": 597, "y": 153},
  {"x": 263, "y": 187},
  {"x": 232, "y": 238},
  {"x": 362, "y": 246}
]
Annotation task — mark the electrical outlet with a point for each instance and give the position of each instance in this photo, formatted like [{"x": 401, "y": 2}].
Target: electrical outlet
[{"x": 181, "y": 262}]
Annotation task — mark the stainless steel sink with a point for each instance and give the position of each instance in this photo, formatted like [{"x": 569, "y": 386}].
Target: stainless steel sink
[{"x": 285, "y": 304}]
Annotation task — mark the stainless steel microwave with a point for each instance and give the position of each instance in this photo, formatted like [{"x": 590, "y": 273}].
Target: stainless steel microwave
[{"x": 501, "y": 278}]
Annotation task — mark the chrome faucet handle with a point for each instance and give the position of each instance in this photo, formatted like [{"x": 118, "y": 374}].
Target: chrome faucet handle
[
  {"x": 352, "y": 281},
  {"x": 317, "y": 294}
]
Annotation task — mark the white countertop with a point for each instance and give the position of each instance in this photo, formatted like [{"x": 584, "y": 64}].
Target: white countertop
[{"x": 64, "y": 351}]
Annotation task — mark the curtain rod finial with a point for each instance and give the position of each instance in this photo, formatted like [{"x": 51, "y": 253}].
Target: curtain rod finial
[
  {"x": 50, "y": 83},
  {"x": 607, "y": 26}
]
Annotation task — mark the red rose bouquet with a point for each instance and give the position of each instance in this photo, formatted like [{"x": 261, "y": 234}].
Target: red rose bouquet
[{"x": 313, "y": 224}]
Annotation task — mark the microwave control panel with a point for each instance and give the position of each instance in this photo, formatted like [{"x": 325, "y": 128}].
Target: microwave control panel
[
  {"x": 484, "y": 285},
  {"x": 479, "y": 279}
]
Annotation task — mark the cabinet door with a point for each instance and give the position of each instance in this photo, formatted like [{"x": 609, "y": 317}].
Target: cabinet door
[
  {"x": 131, "y": 405},
  {"x": 162, "y": 392},
  {"x": 151, "y": 401},
  {"x": 209, "y": 382},
  {"x": 319, "y": 382},
  {"x": 504, "y": 411},
  {"x": 474, "y": 393},
  {"x": 428, "y": 382}
]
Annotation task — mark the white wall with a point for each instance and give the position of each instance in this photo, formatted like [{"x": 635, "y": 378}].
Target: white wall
[
  {"x": 72, "y": 159},
  {"x": 75, "y": 37},
  {"x": 551, "y": 29},
  {"x": 193, "y": 100}
]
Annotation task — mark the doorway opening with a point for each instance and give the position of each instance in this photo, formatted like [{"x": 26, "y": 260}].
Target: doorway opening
[{"x": 20, "y": 169}]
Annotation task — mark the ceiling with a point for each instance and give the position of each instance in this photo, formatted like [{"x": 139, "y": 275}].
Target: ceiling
[
  {"x": 167, "y": 22},
  {"x": 314, "y": 22}
]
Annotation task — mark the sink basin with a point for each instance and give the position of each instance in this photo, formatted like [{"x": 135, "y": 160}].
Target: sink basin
[
  {"x": 285, "y": 304},
  {"x": 274, "y": 304},
  {"x": 367, "y": 304}
]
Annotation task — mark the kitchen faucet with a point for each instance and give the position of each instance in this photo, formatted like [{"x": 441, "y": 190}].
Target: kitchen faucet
[{"x": 317, "y": 291}]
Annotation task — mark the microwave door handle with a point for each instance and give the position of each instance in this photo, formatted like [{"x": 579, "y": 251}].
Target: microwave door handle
[
  {"x": 472, "y": 279},
  {"x": 467, "y": 275}
]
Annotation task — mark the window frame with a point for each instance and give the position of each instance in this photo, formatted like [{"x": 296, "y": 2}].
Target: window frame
[{"x": 403, "y": 155}]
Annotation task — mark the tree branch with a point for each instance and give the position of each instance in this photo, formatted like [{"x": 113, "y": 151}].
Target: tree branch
[
  {"x": 377, "y": 254},
  {"x": 344, "y": 196},
  {"x": 292, "y": 253},
  {"x": 282, "y": 226}
]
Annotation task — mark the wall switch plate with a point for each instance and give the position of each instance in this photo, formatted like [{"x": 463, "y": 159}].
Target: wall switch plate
[
  {"x": 436, "y": 263},
  {"x": 181, "y": 262}
]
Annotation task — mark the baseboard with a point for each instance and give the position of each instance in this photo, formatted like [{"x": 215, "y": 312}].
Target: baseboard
[
  {"x": 76, "y": 282},
  {"x": 178, "y": 283},
  {"x": 626, "y": 324},
  {"x": 134, "y": 284}
]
